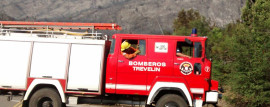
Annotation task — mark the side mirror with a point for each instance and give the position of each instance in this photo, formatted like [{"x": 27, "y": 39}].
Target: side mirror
[{"x": 188, "y": 41}]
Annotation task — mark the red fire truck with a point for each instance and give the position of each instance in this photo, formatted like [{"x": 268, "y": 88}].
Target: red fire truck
[{"x": 54, "y": 64}]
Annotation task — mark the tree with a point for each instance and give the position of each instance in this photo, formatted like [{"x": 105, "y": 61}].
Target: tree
[
  {"x": 186, "y": 20},
  {"x": 240, "y": 51},
  {"x": 253, "y": 70}
]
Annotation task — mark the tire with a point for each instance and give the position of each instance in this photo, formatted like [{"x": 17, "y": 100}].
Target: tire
[
  {"x": 171, "y": 100},
  {"x": 46, "y": 97}
]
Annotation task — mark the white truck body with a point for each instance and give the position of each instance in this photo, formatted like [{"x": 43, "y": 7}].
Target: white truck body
[{"x": 78, "y": 60}]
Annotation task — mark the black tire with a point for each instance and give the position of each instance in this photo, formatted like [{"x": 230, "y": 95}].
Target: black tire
[
  {"x": 171, "y": 100},
  {"x": 46, "y": 97}
]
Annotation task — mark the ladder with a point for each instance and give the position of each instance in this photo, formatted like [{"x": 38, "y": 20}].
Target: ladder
[{"x": 56, "y": 29}]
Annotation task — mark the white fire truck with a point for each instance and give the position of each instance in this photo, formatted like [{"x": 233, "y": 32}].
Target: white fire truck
[{"x": 54, "y": 64}]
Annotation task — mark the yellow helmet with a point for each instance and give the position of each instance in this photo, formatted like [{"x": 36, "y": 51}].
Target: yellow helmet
[{"x": 125, "y": 45}]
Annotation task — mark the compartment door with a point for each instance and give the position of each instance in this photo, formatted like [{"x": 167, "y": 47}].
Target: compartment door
[
  {"x": 14, "y": 62},
  {"x": 85, "y": 68},
  {"x": 49, "y": 60}
]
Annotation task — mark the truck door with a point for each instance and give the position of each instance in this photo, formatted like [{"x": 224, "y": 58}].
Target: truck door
[
  {"x": 131, "y": 72},
  {"x": 188, "y": 63},
  {"x": 160, "y": 59}
]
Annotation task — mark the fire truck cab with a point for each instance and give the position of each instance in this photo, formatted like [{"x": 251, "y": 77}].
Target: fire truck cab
[{"x": 159, "y": 72}]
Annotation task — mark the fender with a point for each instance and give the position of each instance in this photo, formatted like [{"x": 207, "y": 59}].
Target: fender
[
  {"x": 168, "y": 89},
  {"x": 55, "y": 83},
  {"x": 162, "y": 83}
]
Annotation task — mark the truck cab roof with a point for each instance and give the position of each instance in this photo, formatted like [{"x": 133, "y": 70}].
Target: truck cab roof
[{"x": 147, "y": 36}]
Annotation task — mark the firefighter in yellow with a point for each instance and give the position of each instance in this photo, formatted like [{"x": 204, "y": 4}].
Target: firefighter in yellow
[{"x": 128, "y": 51}]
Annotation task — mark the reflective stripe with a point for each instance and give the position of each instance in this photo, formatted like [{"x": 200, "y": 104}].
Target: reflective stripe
[
  {"x": 197, "y": 90},
  {"x": 127, "y": 87},
  {"x": 148, "y": 87},
  {"x": 130, "y": 87},
  {"x": 111, "y": 86}
]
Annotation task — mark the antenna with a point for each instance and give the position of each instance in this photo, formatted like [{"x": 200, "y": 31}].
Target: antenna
[
  {"x": 160, "y": 27},
  {"x": 157, "y": 22},
  {"x": 47, "y": 10}
]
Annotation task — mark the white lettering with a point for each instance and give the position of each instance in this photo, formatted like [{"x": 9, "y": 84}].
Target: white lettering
[
  {"x": 154, "y": 63},
  {"x": 157, "y": 69},
  {"x": 163, "y": 64},
  {"x": 140, "y": 63},
  {"x": 149, "y": 69},
  {"x": 146, "y": 66},
  {"x": 134, "y": 63},
  {"x": 130, "y": 63},
  {"x": 158, "y": 64},
  {"x": 153, "y": 69},
  {"x": 149, "y": 63}
]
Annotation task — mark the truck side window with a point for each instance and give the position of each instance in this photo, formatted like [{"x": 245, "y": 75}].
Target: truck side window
[
  {"x": 183, "y": 49},
  {"x": 130, "y": 48},
  {"x": 112, "y": 47}
]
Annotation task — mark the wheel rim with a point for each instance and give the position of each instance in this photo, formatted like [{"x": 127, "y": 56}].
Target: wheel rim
[
  {"x": 171, "y": 104},
  {"x": 45, "y": 102}
]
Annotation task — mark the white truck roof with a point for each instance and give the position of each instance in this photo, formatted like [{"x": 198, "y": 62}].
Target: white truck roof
[{"x": 53, "y": 40}]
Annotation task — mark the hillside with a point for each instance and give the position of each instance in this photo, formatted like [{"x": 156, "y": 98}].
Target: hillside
[{"x": 144, "y": 16}]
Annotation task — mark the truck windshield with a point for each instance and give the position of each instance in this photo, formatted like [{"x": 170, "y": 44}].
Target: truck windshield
[{"x": 112, "y": 46}]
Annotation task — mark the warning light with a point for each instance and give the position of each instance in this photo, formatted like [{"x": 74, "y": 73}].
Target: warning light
[{"x": 194, "y": 32}]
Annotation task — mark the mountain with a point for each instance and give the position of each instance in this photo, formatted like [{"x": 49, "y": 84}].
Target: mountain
[{"x": 135, "y": 16}]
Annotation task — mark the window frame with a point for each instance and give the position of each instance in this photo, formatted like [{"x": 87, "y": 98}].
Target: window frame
[{"x": 112, "y": 47}]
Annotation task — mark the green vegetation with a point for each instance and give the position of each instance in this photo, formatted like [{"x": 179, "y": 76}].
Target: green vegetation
[{"x": 240, "y": 51}]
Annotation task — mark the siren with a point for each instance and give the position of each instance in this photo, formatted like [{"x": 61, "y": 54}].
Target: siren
[{"x": 194, "y": 32}]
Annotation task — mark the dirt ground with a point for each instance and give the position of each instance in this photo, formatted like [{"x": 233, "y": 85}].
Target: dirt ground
[
  {"x": 16, "y": 100},
  {"x": 16, "y": 103}
]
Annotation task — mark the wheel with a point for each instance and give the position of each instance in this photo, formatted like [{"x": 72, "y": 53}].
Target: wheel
[
  {"x": 46, "y": 97},
  {"x": 171, "y": 100}
]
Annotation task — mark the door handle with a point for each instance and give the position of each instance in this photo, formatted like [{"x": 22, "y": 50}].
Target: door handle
[
  {"x": 176, "y": 64},
  {"x": 7, "y": 86},
  {"x": 120, "y": 61},
  {"x": 47, "y": 76}
]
